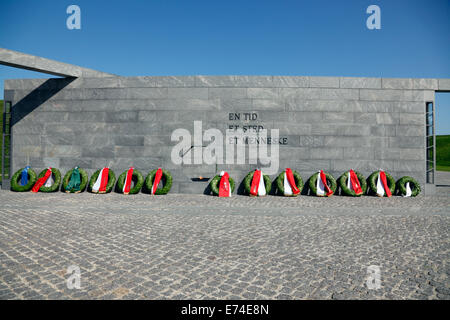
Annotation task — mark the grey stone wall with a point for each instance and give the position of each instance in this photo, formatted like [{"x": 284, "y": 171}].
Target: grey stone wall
[{"x": 331, "y": 123}]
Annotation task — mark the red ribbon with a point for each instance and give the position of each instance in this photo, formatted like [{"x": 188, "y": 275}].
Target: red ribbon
[
  {"x": 255, "y": 182},
  {"x": 385, "y": 185},
  {"x": 127, "y": 187},
  {"x": 355, "y": 182},
  {"x": 323, "y": 177},
  {"x": 41, "y": 181},
  {"x": 291, "y": 180},
  {"x": 158, "y": 176},
  {"x": 104, "y": 180},
  {"x": 224, "y": 187}
]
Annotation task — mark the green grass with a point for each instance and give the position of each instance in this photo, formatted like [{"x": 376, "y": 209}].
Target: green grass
[{"x": 443, "y": 153}]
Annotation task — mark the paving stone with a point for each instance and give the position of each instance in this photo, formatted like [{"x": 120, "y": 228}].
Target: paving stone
[{"x": 201, "y": 247}]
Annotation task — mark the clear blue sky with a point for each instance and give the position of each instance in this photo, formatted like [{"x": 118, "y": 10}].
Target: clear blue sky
[{"x": 165, "y": 37}]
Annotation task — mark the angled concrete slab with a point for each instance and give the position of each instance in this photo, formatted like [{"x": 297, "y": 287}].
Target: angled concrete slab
[{"x": 29, "y": 62}]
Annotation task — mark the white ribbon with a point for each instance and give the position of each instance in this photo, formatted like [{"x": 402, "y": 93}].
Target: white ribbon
[
  {"x": 349, "y": 183},
  {"x": 287, "y": 186},
  {"x": 97, "y": 183},
  {"x": 127, "y": 181},
  {"x": 49, "y": 181},
  {"x": 262, "y": 186},
  {"x": 320, "y": 186},
  {"x": 408, "y": 190},
  {"x": 380, "y": 187}
]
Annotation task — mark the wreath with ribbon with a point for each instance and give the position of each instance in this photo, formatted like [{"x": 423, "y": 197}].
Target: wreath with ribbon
[
  {"x": 137, "y": 178},
  {"x": 331, "y": 183},
  {"x": 215, "y": 182},
  {"x": 15, "y": 180},
  {"x": 413, "y": 184},
  {"x": 372, "y": 182},
  {"x": 298, "y": 182},
  {"x": 349, "y": 192},
  {"x": 166, "y": 180},
  {"x": 248, "y": 182},
  {"x": 109, "y": 185},
  {"x": 56, "y": 180},
  {"x": 83, "y": 181}
]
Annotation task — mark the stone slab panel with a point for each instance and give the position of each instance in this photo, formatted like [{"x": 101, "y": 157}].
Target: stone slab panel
[
  {"x": 290, "y": 82},
  {"x": 423, "y": 84},
  {"x": 324, "y": 82},
  {"x": 412, "y": 119},
  {"x": 188, "y": 93},
  {"x": 444, "y": 84},
  {"x": 319, "y": 93},
  {"x": 394, "y": 83},
  {"x": 400, "y": 154},
  {"x": 54, "y": 151},
  {"x": 406, "y": 142},
  {"x": 234, "y": 81},
  {"x": 228, "y": 93},
  {"x": 357, "y": 83},
  {"x": 410, "y": 130},
  {"x": 391, "y": 95},
  {"x": 70, "y": 163},
  {"x": 124, "y": 140},
  {"x": 326, "y": 153}
]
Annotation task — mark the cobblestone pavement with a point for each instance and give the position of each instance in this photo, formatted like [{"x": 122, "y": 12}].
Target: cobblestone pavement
[{"x": 204, "y": 247}]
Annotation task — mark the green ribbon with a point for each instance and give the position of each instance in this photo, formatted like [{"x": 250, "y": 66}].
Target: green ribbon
[{"x": 75, "y": 181}]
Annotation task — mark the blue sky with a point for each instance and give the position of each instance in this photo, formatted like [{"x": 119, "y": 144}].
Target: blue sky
[{"x": 137, "y": 37}]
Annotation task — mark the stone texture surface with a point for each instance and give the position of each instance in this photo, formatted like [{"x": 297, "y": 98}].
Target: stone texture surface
[
  {"x": 204, "y": 247},
  {"x": 330, "y": 123}
]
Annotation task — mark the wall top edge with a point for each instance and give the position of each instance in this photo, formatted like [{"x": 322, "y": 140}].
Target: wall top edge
[{"x": 253, "y": 81}]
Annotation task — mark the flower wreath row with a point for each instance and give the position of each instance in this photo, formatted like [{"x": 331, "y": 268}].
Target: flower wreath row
[
  {"x": 400, "y": 187},
  {"x": 137, "y": 178}
]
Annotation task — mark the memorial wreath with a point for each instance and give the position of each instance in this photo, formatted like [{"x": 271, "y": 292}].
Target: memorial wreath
[
  {"x": 216, "y": 187},
  {"x": 289, "y": 183},
  {"x": 23, "y": 179},
  {"x": 48, "y": 180},
  {"x": 381, "y": 183},
  {"x": 75, "y": 180},
  {"x": 153, "y": 179},
  {"x": 353, "y": 183},
  {"x": 102, "y": 181},
  {"x": 125, "y": 180},
  {"x": 257, "y": 184},
  {"x": 408, "y": 187},
  {"x": 322, "y": 184}
]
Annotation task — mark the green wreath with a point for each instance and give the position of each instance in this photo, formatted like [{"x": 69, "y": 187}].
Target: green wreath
[
  {"x": 137, "y": 178},
  {"x": 56, "y": 181},
  {"x": 331, "y": 183},
  {"x": 348, "y": 192},
  {"x": 166, "y": 179},
  {"x": 83, "y": 183},
  {"x": 372, "y": 182},
  {"x": 15, "y": 184},
  {"x": 214, "y": 184},
  {"x": 413, "y": 184},
  {"x": 248, "y": 180},
  {"x": 298, "y": 182},
  {"x": 111, "y": 180}
]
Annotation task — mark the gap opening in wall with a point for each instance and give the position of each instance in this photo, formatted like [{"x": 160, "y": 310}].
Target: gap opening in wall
[{"x": 442, "y": 122}]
